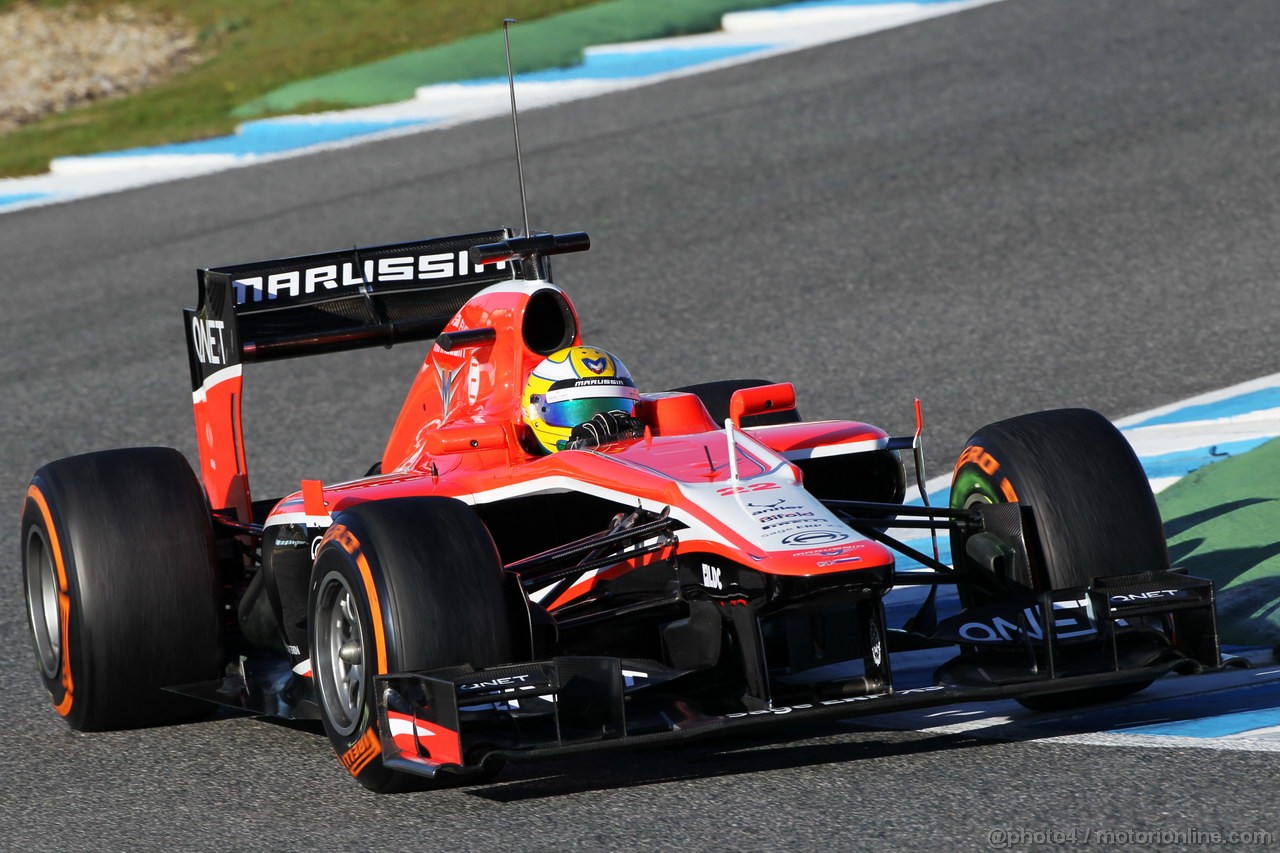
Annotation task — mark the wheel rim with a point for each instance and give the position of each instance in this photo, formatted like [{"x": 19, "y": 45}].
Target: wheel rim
[
  {"x": 339, "y": 663},
  {"x": 42, "y": 602}
]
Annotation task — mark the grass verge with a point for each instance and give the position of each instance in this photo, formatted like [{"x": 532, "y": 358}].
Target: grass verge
[
  {"x": 1221, "y": 522},
  {"x": 254, "y": 47}
]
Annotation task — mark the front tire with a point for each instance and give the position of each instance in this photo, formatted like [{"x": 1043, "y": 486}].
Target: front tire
[
  {"x": 1091, "y": 504},
  {"x": 1093, "y": 509},
  {"x": 121, "y": 586},
  {"x": 399, "y": 585}
]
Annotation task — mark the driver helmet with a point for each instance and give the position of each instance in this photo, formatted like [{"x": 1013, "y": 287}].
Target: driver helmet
[{"x": 569, "y": 387}]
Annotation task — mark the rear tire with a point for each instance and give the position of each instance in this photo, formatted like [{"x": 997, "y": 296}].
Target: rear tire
[
  {"x": 122, "y": 587},
  {"x": 428, "y": 569},
  {"x": 1090, "y": 502},
  {"x": 716, "y": 395}
]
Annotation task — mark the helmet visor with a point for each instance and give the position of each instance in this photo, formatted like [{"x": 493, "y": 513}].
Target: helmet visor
[{"x": 570, "y": 413}]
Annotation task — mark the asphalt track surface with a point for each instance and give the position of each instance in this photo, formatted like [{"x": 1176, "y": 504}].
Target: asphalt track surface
[{"x": 1027, "y": 205}]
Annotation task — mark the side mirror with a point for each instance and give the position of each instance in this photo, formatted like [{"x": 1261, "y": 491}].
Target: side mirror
[
  {"x": 761, "y": 399},
  {"x": 465, "y": 437}
]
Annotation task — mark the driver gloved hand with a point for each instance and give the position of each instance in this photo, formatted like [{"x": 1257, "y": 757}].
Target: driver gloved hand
[{"x": 604, "y": 428}]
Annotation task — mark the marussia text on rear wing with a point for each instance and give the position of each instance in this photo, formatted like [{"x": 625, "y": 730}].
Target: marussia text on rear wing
[{"x": 333, "y": 301}]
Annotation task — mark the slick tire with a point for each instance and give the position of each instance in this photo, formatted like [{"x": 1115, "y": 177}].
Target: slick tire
[
  {"x": 1091, "y": 505},
  {"x": 122, "y": 587},
  {"x": 716, "y": 395},
  {"x": 399, "y": 585}
]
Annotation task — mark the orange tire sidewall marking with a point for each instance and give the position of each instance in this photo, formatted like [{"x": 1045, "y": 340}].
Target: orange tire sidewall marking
[
  {"x": 980, "y": 457},
  {"x": 1006, "y": 489},
  {"x": 987, "y": 464},
  {"x": 363, "y": 751},
  {"x": 64, "y": 604},
  {"x": 342, "y": 536},
  {"x": 376, "y": 610}
]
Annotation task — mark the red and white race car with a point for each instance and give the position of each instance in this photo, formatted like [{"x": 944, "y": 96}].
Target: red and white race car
[{"x": 475, "y": 598}]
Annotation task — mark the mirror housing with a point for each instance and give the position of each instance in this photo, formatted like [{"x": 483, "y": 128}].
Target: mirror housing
[
  {"x": 466, "y": 437},
  {"x": 779, "y": 397}
]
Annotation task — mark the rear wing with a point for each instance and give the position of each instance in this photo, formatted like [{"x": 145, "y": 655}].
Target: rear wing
[
  {"x": 317, "y": 304},
  {"x": 334, "y": 301}
]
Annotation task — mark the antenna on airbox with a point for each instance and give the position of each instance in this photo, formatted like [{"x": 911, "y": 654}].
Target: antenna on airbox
[
  {"x": 515, "y": 123},
  {"x": 529, "y": 250}
]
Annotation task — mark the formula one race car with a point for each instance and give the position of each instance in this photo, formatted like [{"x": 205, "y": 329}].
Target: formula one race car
[{"x": 476, "y": 598}]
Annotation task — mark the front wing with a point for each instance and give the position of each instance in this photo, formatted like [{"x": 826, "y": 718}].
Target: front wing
[
  {"x": 457, "y": 720},
  {"x": 425, "y": 730}
]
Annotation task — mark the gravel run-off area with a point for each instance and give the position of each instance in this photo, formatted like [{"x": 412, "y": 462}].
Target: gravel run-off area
[{"x": 55, "y": 59}]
